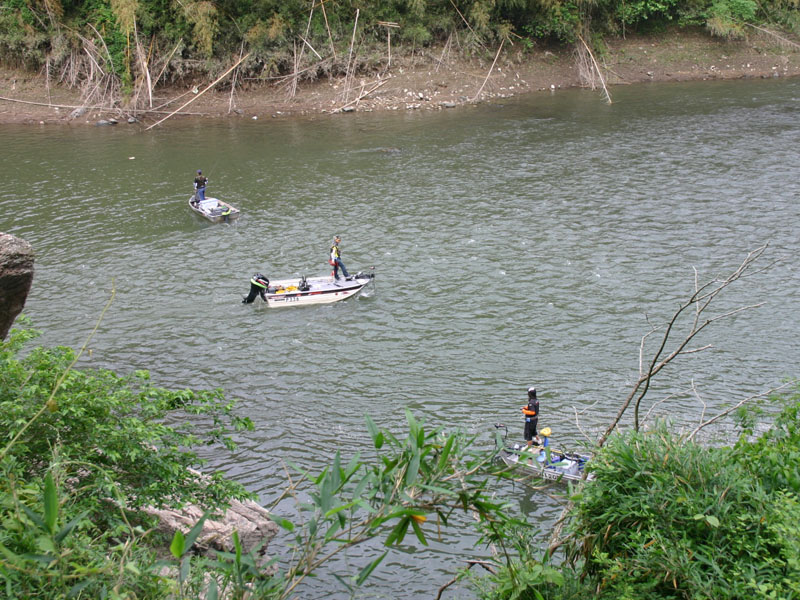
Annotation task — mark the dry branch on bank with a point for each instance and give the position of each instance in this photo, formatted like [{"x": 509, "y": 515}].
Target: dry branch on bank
[
  {"x": 697, "y": 308},
  {"x": 588, "y": 68},
  {"x": 211, "y": 85}
]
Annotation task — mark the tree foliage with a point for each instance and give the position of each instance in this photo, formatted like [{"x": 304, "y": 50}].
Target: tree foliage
[
  {"x": 186, "y": 37},
  {"x": 669, "y": 519},
  {"x": 80, "y": 451}
]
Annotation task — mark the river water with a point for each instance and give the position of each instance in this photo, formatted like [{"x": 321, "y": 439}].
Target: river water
[{"x": 530, "y": 242}]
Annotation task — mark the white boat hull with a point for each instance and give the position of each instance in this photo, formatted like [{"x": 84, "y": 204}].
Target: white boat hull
[{"x": 318, "y": 290}]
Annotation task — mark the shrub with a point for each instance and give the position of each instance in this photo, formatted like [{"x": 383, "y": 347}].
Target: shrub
[{"x": 665, "y": 519}]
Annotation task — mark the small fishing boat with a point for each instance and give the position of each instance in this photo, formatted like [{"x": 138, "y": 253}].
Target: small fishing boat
[
  {"x": 542, "y": 461},
  {"x": 214, "y": 210},
  {"x": 316, "y": 290}
]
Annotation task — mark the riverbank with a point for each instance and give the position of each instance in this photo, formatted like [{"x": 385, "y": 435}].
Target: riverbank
[{"x": 432, "y": 79}]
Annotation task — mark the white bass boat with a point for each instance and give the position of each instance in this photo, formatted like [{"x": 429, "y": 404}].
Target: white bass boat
[{"x": 315, "y": 290}]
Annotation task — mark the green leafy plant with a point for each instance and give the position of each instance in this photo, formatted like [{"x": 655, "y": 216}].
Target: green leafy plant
[
  {"x": 92, "y": 446},
  {"x": 665, "y": 516}
]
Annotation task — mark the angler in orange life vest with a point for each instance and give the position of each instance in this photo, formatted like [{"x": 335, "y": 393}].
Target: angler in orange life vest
[
  {"x": 258, "y": 287},
  {"x": 336, "y": 259},
  {"x": 531, "y": 412}
]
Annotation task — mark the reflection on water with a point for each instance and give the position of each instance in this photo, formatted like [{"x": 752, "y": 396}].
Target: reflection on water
[{"x": 517, "y": 244}]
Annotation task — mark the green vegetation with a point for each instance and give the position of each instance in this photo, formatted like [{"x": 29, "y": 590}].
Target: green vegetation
[
  {"x": 670, "y": 519},
  {"x": 81, "y": 451},
  {"x": 84, "y": 451},
  {"x": 665, "y": 517},
  {"x": 119, "y": 44}
]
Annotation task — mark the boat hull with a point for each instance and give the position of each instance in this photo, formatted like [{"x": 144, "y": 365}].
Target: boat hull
[
  {"x": 317, "y": 290},
  {"x": 559, "y": 466},
  {"x": 212, "y": 209}
]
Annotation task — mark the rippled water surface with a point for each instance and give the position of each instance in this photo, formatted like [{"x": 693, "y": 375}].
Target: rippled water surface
[{"x": 517, "y": 244}]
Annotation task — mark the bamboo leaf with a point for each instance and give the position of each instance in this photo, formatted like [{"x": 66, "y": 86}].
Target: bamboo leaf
[
  {"x": 212, "y": 593},
  {"x": 50, "y": 504},
  {"x": 418, "y": 531},
  {"x": 445, "y": 455},
  {"x": 367, "y": 570},
  {"x": 37, "y": 520},
  {"x": 178, "y": 544},
  {"x": 237, "y": 546},
  {"x": 75, "y": 590},
  {"x": 186, "y": 564},
  {"x": 65, "y": 531},
  {"x": 413, "y": 468},
  {"x": 194, "y": 532},
  {"x": 412, "y": 425},
  {"x": 338, "y": 509},
  {"x": 399, "y": 532},
  {"x": 285, "y": 524},
  {"x": 374, "y": 432}
]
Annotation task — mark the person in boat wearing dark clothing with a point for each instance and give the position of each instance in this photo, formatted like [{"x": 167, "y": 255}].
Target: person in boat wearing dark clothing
[
  {"x": 200, "y": 183},
  {"x": 258, "y": 287},
  {"x": 531, "y": 412},
  {"x": 336, "y": 259}
]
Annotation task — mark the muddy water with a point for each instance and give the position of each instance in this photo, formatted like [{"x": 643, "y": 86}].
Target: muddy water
[{"x": 524, "y": 243}]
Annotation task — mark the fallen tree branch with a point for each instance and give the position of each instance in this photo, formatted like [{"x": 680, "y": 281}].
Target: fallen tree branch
[
  {"x": 215, "y": 82},
  {"x": 496, "y": 56},
  {"x": 470, "y": 563},
  {"x": 773, "y": 34},
  {"x": 597, "y": 69},
  {"x": 734, "y": 407},
  {"x": 363, "y": 94}
]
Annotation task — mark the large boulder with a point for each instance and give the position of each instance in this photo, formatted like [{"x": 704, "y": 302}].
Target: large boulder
[{"x": 16, "y": 275}]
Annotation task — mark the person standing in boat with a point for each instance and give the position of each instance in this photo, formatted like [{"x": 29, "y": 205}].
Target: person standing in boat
[
  {"x": 200, "y": 183},
  {"x": 258, "y": 287},
  {"x": 531, "y": 412},
  {"x": 336, "y": 259}
]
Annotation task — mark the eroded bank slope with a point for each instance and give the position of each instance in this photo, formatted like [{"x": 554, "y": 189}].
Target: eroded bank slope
[{"x": 435, "y": 79}]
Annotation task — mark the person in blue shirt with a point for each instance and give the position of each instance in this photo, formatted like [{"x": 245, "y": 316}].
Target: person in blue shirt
[{"x": 200, "y": 183}]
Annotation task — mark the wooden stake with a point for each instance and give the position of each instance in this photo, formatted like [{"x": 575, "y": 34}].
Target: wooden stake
[
  {"x": 328, "y": 27},
  {"x": 349, "y": 58},
  {"x": 233, "y": 83},
  {"x": 215, "y": 82},
  {"x": 389, "y": 26}
]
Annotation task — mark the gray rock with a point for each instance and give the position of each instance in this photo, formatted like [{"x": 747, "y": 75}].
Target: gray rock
[
  {"x": 78, "y": 112},
  {"x": 132, "y": 120},
  {"x": 249, "y": 519},
  {"x": 16, "y": 275}
]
